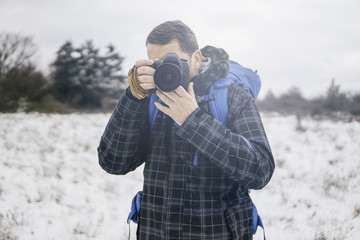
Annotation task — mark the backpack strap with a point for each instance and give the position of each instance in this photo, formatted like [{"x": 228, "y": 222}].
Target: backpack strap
[
  {"x": 239, "y": 75},
  {"x": 217, "y": 97},
  {"x": 257, "y": 221},
  {"x": 134, "y": 214},
  {"x": 135, "y": 208},
  {"x": 153, "y": 111},
  {"x": 248, "y": 79},
  {"x": 219, "y": 109},
  {"x": 219, "y": 106}
]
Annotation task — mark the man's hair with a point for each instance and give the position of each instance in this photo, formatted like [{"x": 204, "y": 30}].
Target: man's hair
[{"x": 170, "y": 30}]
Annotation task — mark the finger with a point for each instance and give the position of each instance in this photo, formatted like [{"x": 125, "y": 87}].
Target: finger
[
  {"x": 191, "y": 89},
  {"x": 147, "y": 86},
  {"x": 171, "y": 95},
  {"x": 145, "y": 79},
  {"x": 180, "y": 91},
  {"x": 164, "y": 97},
  {"x": 162, "y": 108},
  {"x": 145, "y": 70},
  {"x": 143, "y": 62}
]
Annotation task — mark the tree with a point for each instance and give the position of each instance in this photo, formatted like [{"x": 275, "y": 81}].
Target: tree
[
  {"x": 355, "y": 104},
  {"x": 293, "y": 102},
  {"x": 65, "y": 72},
  {"x": 16, "y": 51},
  {"x": 84, "y": 78},
  {"x": 335, "y": 100},
  {"x": 269, "y": 103},
  {"x": 21, "y": 89}
]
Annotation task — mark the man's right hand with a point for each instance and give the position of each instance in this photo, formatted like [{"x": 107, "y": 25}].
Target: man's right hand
[{"x": 145, "y": 74}]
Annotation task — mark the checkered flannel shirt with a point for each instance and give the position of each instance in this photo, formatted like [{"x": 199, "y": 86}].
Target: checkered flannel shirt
[{"x": 181, "y": 200}]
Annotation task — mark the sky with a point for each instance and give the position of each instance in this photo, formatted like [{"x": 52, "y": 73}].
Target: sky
[{"x": 291, "y": 43}]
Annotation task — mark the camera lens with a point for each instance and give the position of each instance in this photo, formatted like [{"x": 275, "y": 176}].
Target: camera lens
[{"x": 167, "y": 77}]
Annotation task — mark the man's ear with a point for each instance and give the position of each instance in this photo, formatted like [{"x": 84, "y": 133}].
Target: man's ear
[{"x": 196, "y": 58}]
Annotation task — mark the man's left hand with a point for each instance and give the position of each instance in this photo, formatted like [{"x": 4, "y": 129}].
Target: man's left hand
[{"x": 180, "y": 103}]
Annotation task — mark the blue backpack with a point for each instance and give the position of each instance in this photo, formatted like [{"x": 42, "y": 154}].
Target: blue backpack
[{"x": 217, "y": 97}]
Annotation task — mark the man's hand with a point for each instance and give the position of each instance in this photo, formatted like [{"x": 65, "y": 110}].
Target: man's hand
[
  {"x": 180, "y": 103},
  {"x": 144, "y": 75}
]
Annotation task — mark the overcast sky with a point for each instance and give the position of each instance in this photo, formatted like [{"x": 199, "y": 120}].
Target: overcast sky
[{"x": 303, "y": 43}]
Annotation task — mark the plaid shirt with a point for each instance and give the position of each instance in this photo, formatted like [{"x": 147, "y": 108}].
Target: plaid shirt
[{"x": 180, "y": 200}]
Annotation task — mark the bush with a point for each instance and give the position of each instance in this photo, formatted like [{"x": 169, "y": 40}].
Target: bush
[
  {"x": 24, "y": 89},
  {"x": 355, "y": 105},
  {"x": 291, "y": 102}
]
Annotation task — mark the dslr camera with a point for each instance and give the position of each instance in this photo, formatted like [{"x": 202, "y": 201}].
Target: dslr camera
[{"x": 171, "y": 72}]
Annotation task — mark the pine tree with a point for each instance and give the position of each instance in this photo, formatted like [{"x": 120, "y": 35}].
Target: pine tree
[
  {"x": 65, "y": 72},
  {"x": 85, "y": 78},
  {"x": 335, "y": 100}
]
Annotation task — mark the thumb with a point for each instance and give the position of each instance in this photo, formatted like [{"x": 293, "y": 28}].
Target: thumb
[{"x": 191, "y": 89}]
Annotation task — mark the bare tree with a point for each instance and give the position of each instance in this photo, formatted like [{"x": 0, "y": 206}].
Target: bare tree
[{"x": 16, "y": 51}]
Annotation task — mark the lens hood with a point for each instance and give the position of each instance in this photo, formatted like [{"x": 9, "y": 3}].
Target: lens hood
[
  {"x": 167, "y": 77},
  {"x": 171, "y": 72}
]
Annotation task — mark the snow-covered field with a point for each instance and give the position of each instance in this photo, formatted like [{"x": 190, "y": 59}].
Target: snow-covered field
[{"x": 51, "y": 186}]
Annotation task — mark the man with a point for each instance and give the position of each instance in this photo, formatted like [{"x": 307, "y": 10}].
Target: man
[{"x": 180, "y": 199}]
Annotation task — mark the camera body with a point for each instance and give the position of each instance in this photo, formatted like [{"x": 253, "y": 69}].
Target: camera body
[{"x": 171, "y": 72}]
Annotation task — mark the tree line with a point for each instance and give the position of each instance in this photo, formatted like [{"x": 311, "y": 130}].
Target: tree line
[
  {"x": 82, "y": 78},
  {"x": 87, "y": 78},
  {"x": 333, "y": 104}
]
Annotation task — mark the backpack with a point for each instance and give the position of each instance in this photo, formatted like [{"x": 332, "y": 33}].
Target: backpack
[{"x": 217, "y": 97}]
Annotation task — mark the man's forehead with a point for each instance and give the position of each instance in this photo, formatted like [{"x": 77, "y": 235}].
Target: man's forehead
[{"x": 157, "y": 51}]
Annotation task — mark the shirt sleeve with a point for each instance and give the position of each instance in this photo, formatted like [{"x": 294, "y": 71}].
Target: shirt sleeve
[
  {"x": 123, "y": 144},
  {"x": 240, "y": 150}
]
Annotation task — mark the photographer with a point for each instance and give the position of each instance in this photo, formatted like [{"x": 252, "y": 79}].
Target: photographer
[{"x": 182, "y": 198}]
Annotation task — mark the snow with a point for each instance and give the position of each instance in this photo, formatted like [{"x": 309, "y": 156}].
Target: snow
[{"x": 51, "y": 186}]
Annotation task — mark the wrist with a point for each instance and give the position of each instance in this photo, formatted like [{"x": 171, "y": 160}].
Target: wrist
[
  {"x": 130, "y": 95},
  {"x": 136, "y": 90}
]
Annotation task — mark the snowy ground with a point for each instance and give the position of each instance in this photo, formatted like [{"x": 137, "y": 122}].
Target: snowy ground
[{"x": 51, "y": 186}]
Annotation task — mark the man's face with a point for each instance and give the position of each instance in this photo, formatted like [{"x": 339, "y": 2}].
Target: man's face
[{"x": 157, "y": 52}]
